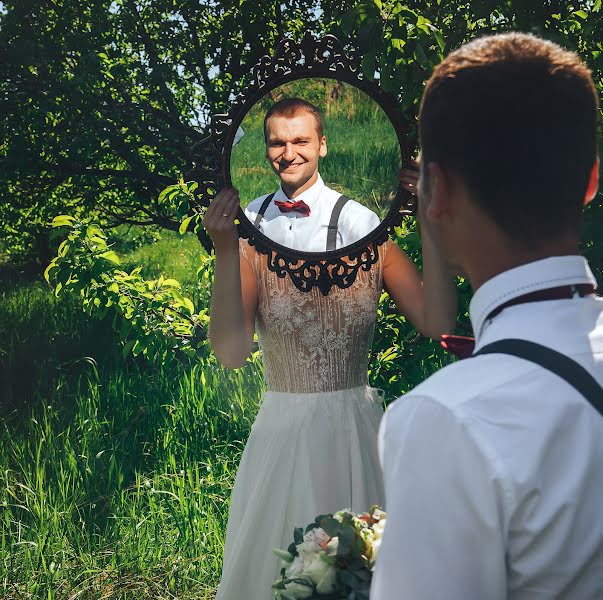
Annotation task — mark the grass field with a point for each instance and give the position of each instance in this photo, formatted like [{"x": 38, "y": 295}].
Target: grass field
[{"x": 114, "y": 476}]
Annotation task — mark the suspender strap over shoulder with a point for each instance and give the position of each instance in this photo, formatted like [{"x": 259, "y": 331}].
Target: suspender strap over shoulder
[
  {"x": 332, "y": 227},
  {"x": 265, "y": 204},
  {"x": 560, "y": 364},
  {"x": 332, "y": 231}
]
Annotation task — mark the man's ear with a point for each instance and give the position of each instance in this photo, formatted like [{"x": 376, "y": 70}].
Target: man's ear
[
  {"x": 439, "y": 192},
  {"x": 323, "y": 147},
  {"x": 593, "y": 183}
]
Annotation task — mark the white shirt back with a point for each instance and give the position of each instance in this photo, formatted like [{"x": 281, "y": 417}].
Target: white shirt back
[
  {"x": 294, "y": 230},
  {"x": 493, "y": 467}
]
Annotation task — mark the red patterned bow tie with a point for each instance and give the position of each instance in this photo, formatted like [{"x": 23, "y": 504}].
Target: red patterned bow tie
[
  {"x": 299, "y": 206},
  {"x": 463, "y": 346}
]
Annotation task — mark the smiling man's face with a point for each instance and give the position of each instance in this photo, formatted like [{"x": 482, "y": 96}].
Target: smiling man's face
[{"x": 293, "y": 148}]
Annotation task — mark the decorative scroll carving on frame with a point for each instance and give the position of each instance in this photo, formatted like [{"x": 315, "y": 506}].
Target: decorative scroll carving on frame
[{"x": 210, "y": 157}]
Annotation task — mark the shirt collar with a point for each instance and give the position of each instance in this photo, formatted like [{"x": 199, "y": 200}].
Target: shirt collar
[
  {"x": 531, "y": 277},
  {"x": 309, "y": 196}
]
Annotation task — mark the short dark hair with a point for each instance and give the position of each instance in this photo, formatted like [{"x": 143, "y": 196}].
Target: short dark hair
[
  {"x": 515, "y": 117},
  {"x": 289, "y": 107}
]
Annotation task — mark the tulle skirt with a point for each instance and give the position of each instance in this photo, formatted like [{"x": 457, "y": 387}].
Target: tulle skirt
[{"x": 307, "y": 454}]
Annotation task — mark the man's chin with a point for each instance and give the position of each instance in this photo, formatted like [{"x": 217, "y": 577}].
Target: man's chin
[{"x": 293, "y": 179}]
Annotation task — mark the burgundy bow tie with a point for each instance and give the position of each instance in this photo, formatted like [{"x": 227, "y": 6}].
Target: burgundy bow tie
[
  {"x": 463, "y": 346},
  {"x": 299, "y": 206}
]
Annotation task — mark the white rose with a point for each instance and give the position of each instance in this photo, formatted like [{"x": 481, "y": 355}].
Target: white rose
[
  {"x": 307, "y": 549},
  {"x": 298, "y": 590},
  {"x": 322, "y": 573},
  {"x": 332, "y": 546},
  {"x": 295, "y": 568}
]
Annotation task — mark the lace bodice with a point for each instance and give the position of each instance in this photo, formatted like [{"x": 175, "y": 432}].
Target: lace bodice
[{"x": 310, "y": 342}]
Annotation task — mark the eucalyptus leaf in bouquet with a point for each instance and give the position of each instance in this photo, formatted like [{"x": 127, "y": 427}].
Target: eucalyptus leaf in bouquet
[{"x": 333, "y": 559}]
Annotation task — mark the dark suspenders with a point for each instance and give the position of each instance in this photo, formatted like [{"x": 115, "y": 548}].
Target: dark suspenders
[
  {"x": 560, "y": 364},
  {"x": 263, "y": 208},
  {"x": 332, "y": 227},
  {"x": 332, "y": 231}
]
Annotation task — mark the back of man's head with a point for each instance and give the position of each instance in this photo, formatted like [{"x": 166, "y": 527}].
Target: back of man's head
[
  {"x": 289, "y": 107},
  {"x": 515, "y": 117}
]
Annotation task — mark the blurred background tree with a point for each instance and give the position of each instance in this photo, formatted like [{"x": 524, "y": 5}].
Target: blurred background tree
[{"x": 101, "y": 100}]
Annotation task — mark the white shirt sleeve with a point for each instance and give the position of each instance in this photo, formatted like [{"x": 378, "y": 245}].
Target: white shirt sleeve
[{"x": 444, "y": 533}]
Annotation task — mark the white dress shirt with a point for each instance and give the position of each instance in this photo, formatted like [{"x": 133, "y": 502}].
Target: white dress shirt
[
  {"x": 294, "y": 230},
  {"x": 493, "y": 467}
]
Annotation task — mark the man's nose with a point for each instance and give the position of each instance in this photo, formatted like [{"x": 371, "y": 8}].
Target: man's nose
[{"x": 289, "y": 153}]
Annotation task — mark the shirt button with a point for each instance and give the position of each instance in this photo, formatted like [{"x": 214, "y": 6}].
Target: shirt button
[{"x": 290, "y": 226}]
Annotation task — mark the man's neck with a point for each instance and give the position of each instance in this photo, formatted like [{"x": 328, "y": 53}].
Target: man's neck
[
  {"x": 293, "y": 192},
  {"x": 489, "y": 264}
]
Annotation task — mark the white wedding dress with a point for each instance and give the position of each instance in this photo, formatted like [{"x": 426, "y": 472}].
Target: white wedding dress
[{"x": 313, "y": 446}]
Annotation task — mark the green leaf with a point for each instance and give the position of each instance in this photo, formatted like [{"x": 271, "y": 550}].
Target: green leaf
[
  {"x": 330, "y": 526},
  {"x": 298, "y": 535},
  {"x": 62, "y": 221},
  {"x": 184, "y": 225},
  {"x": 369, "y": 65},
  {"x": 110, "y": 256},
  {"x": 421, "y": 57},
  {"x": 171, "y": 283},
  {"x": 398, "y": 43},
  {"x": 582, "y": 14},
  {"x": 138, "y": 347},
  {"x": 440, "y": 39},
  {"x": 168, "y": 193},
  {"x": 189, "y": 305},
  {"x": 126, "y": 349},
  {"x": 51, "y": 266}
]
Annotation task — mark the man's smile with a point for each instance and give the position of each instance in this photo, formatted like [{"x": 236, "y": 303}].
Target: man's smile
[{"x": 291, "y": 166}]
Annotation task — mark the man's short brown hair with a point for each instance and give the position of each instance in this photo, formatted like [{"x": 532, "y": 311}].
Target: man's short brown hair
[
  {"x": 289, "y": 107},
  {"x": 515, "y": 117}
]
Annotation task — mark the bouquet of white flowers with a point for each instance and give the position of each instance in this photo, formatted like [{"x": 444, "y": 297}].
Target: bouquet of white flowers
[{"x": 334, "y": 559}]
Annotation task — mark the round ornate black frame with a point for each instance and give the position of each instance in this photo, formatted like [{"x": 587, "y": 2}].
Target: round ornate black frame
[{"x": 311, "y": 57}]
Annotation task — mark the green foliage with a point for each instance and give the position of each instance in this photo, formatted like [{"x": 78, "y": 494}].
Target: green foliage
[
  {"x": 152, "y": 317},
  {"x": 401, "y": 43},
  {"x": 400, "y": 358},
  {"x": 114, "y": 475},
  {"x": 103, "y": 99}
]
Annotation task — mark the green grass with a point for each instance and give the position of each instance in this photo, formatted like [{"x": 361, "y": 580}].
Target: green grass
[{"x": 114, "y": 476}]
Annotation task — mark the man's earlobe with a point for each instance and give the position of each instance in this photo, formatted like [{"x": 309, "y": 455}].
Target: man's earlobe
[
  {"x": 323, "y": 147},
  {"x": 593, "y": 183}
]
